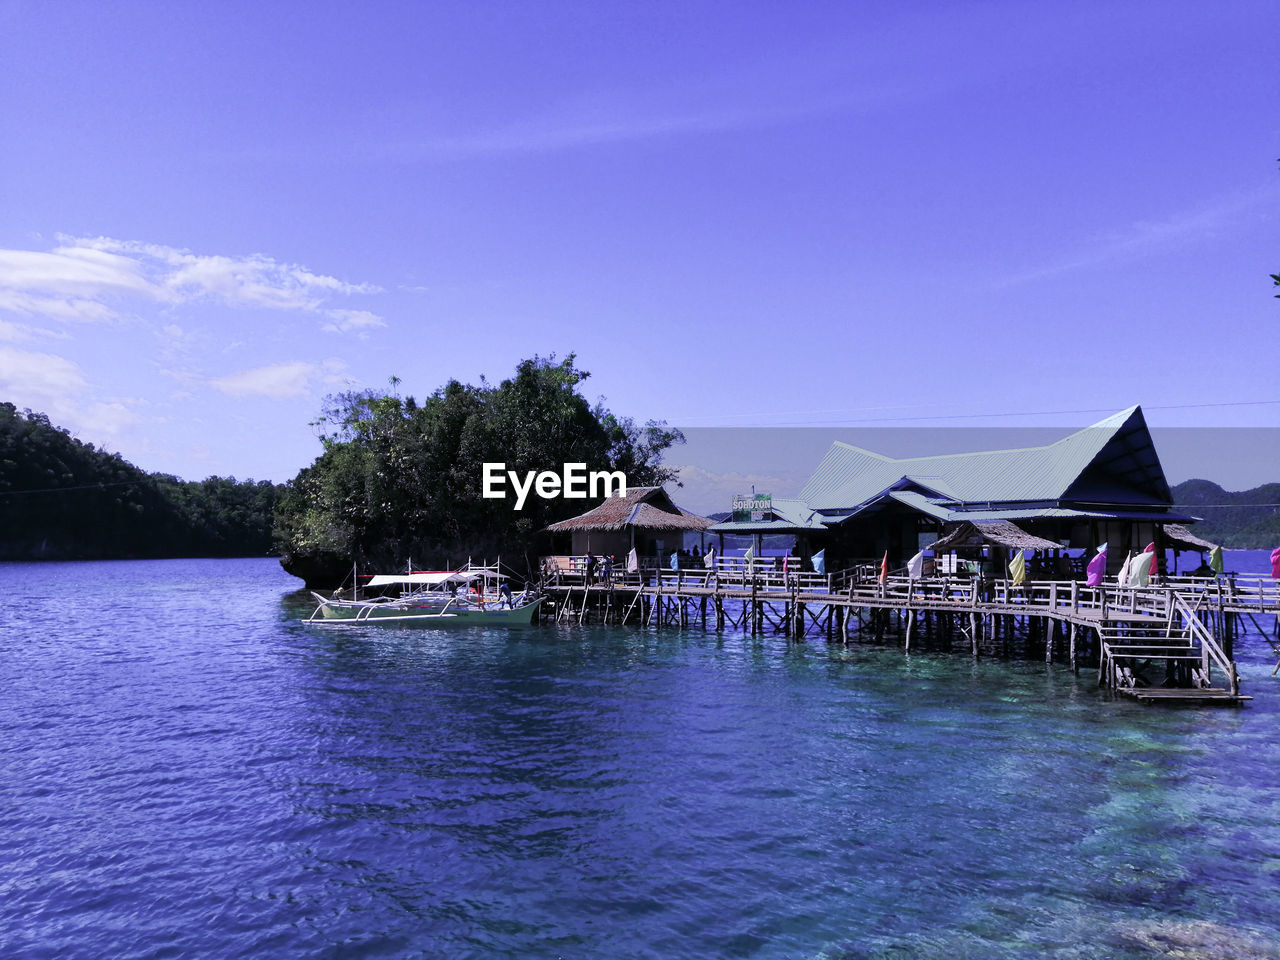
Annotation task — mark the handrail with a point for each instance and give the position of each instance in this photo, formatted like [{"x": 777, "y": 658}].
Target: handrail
[{"x": 1211, "y": 651}]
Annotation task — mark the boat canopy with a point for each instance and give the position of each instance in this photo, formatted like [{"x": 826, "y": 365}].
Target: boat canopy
[{"x": 429, "y": 578}]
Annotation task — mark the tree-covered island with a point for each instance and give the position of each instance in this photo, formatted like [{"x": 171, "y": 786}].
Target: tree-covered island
[{"x": 400, "y": 479}]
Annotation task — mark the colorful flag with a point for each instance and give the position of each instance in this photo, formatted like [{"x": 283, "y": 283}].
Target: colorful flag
[
  {"x": 915, "y": 566},
  {"x": 820, "y": 562},
  {"x": 675, "y": 560},
  {"x": 884, "y": 567},
  {"x": 709, "y": 561},
  {"x": 1140, "y": 569},
  {"x": 1215, "y": 561},
  {"x": 633, "y": 561},
  {"x": 1275, "y": 562},
  {"x": 1018, "y": 569},
  {"x": 1123, "y": 578},
  {"x": 750, "y": 554},
  {"x": 786, "y": 557},
  {"x": 1097, "y": 568},
  {"x": 1155, "y": 560}
]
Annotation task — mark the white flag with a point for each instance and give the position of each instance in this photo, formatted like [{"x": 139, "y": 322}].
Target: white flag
[{"x": 915, "y": 566}]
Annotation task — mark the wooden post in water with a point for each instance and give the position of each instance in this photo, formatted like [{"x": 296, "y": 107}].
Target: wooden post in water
[{"x": 1075, "y": 667}]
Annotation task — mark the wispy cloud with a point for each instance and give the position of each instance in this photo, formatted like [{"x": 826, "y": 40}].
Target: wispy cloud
[
  {"x": 345, "y": 321},
  {"x": 92, "y": 279},
  {"x": 833, "y": 76},
  {"x": 1146, "y": 238},
  {"x": 57, "y": 386},
  {"x": 70, "y": 282},
  {"x": 280, "y": 381},
  {"x": 40, "y": 376},
  {"x": 11, "y": 332}
]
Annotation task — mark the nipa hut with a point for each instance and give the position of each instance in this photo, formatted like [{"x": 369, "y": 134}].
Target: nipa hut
[
  {"x": 987, "y": 545},
  {"x": 646, "y": 519},
  {"x": 1180, "y": 540}
]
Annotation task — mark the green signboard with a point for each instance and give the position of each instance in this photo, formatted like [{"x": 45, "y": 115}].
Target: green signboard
[{"x": 757, "y": 508}]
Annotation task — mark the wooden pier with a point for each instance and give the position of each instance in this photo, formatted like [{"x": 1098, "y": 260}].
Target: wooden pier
[{"x": 1161, "y": 643}]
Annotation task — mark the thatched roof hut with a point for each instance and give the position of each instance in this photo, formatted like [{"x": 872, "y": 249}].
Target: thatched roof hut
[
  {"x": 999, "y": 532},
  {"x": 646, "y": 518},
  {"x": 1180, "y": 538}
]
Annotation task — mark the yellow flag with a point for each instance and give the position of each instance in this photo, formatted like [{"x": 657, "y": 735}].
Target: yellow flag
[{"x": 1018, "y": 568}]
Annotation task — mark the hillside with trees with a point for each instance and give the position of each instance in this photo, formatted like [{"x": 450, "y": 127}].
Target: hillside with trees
[
  {"x": 400, "y": 480},
  {"x": 1249, "y": 519},
  {"x": 63, "y": 499}
]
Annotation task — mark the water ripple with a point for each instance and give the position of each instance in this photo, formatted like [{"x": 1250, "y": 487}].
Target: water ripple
[{"x": 187, "y": 771}]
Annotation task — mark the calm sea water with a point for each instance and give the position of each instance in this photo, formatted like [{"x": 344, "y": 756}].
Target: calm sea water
[{"x": 187, "y": 771}]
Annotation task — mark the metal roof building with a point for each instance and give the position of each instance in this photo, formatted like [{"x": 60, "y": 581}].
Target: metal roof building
[{"x": 1104, "y": 482}]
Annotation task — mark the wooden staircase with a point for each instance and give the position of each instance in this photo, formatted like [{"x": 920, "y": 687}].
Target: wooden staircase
[{"x": 1166, "y": 660}]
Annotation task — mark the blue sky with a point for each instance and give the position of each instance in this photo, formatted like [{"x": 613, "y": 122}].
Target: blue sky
[{"x": 736, "y": 214}]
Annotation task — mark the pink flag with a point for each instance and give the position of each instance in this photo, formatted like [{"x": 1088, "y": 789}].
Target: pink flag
[
  {"x": 1275, "y": 563},
  {"x": 884, "y": 567},
  {"x": 1097, "y": 568},
  {"x": 1155, "y": 558}
]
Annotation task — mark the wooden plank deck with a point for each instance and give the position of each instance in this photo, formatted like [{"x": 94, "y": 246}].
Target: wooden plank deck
[
  {"x": 1123, "y": 630},
  {"x": 1190, "y": 695}
]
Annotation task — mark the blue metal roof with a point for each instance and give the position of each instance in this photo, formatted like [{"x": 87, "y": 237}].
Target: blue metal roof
[
  {"x": 1111, "y": 462},
  {"x": 790, "y": 515}
]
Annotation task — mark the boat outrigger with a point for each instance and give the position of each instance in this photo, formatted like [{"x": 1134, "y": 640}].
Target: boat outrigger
[{"x": 472, "y": 596}]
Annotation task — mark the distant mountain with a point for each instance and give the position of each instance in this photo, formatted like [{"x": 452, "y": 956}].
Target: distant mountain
[
  {"x": 1249, "y": 519},
  {"x": 63, "y": 499}
]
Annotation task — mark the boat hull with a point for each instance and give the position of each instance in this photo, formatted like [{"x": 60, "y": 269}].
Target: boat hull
[{"x": 354, "y": 613}]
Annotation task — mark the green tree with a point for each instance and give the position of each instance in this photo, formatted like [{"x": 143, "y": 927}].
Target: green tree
[
  {"x": 61, "y": 498},
  {"x": 400, "y": 480}
]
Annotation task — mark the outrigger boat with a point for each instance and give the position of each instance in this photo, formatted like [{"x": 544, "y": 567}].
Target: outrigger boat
[{"x": 471, "y": 596}]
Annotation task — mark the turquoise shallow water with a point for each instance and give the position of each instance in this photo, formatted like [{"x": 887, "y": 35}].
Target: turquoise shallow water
[{"x": 187, "y": 771}]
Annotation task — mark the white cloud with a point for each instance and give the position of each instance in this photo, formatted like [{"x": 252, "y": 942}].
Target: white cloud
[
  {"x": 345, "y": 321},
  {"x": 24, "y": 333},
  {"x": 109, "y": 418},
  {"x": 280, "y": 380},
  {"x": 86, "y": 279},
  {"x": 56, "y": 386},
  {"x": 40, "y": 379}
]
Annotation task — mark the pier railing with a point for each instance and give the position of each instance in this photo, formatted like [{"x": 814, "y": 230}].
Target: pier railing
[{"x": 771, "y": 575}]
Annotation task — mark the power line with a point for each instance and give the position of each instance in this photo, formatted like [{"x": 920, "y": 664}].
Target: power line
[
  {"x": 83, "y": 486},
  {"x": 979, "y": 416}
]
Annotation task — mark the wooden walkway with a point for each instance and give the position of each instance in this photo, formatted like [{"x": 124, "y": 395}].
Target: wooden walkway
[{"x": 1159, "y": 644}]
